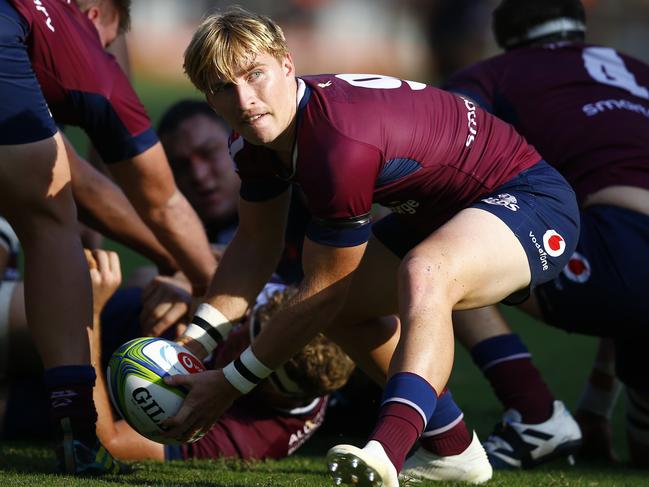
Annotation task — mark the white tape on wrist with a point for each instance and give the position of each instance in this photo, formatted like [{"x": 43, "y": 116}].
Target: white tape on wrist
[
  {"x": 209, "y": 327},
  {"x": 246, "y": 372}
]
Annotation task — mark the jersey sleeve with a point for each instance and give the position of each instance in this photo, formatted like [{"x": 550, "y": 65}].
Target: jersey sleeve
[
  {"x": 477, "y": 83},
  {"x": 115, "y": 121},
  {"x": 338, "y": 182},
  {"x": 258, "y": 183}
]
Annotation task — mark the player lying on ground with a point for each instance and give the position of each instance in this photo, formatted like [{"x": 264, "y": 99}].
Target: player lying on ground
[
  {"x": 586, "y": 109},
  {"x": 349, "y": 141}
]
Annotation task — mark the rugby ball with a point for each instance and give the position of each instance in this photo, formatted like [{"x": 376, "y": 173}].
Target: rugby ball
[{"x": 135, "y": 383}]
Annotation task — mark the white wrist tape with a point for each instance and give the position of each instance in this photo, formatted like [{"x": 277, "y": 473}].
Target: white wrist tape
[
  {"x": 209, "y": 327},
  {"x": 246, "y": 372}
]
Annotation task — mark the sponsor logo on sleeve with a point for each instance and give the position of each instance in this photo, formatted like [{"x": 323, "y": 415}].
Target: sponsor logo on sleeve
[{"x": 471, "y": 122}]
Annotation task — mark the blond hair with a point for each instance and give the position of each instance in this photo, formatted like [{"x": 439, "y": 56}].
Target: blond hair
[
  {"x": 227, "y": 41},
  {"x": 321, "y": 366}
]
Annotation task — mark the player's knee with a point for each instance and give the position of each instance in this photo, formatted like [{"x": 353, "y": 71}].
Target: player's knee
[
  {"x": 637, "y": 421},
  {"x": 431, "y": 277}
]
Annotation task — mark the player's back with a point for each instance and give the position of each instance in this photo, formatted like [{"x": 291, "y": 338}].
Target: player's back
[{"x": 584, "y": 107}]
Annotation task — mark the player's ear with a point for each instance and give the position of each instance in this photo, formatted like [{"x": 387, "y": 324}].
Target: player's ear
[
  {"x": 93, "y": 13},
  {"x": 287, "y": 65}
]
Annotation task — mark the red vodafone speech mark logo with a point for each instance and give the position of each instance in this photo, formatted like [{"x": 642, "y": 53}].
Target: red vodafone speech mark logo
[
  {"x": 553, "y": 243},
  {"x": 190, "y": 363},
  {"x": 578, "y": 268}
]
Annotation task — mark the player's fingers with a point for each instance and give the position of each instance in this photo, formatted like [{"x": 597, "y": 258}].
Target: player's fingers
[
  {"x": 92, "y": 263},
  {"x": 115, "y": 267},
  {"x": 101, "y": 256},
  {"x": 171, "y": 317},
  {"x": 150, "y": 317}
]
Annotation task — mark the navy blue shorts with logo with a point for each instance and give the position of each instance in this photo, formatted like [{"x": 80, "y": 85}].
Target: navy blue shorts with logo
[
  {"x": 24, "y": 115},
  {"x": 539, "y": 207},
  {"x": 603, "y": 289}
]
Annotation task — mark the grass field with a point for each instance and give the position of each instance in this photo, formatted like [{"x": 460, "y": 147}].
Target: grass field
[{"x": 564, "y": 360}]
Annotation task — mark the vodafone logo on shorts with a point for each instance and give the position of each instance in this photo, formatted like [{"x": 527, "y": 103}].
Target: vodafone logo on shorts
[
  {"x": 553, "y": 243},
  {"x": 578, "y": 268}
]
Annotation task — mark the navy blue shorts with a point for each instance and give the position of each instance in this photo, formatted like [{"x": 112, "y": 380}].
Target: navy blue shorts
[
  {"x": 24, "y": 115},
  {"x": 603, "y": 289},
  {"x": 538, "y": 206}
]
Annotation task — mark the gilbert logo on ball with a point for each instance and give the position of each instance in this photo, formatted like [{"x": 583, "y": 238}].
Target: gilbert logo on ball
[{"x": 135, "y": 382}]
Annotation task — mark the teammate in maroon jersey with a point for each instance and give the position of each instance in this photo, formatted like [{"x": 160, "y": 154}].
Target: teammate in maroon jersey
[
  {"x": 478, "y": 218},
  {"x": 53, "y": 67},
  {"x": 586, "y": 109}
]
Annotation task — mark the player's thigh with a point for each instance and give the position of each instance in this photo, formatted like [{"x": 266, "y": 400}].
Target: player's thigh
[{"x": 474, "y": 259}]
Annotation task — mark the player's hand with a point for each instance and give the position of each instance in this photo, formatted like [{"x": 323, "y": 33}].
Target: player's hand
[
  {"x": 105, "y": 275},
  {"x": 165, "y": 302},
  {"x": 210, "y": 395},
  {"x": 194, "y": 346}
]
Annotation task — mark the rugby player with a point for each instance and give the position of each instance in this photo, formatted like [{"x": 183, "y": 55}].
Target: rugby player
[
  {"x": 348, "y": 141},
  {"x": 53, "y": 67},
  {"x": 585, "y": 108}
]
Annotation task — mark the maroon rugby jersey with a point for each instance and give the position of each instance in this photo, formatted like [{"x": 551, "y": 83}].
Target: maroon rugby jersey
[
  {"x": 82, "y": 84},
  {"x": 584, "y": 107},
  {"x": 421, "y": 151}
]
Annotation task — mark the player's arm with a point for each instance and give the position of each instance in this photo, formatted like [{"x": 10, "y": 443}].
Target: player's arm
[
  {"x": 247, "y": 264},
  {"x": 148, "y": 182},
  {"x": 104, "y": 207},
  {"x": 118, "y": 437},
  {"x": 328, "y": 273}
]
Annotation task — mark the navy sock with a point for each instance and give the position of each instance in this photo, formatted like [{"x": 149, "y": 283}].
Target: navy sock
[
  {"x": 408, "y": 401},
  {"x": 69, "y": 389},
  {"x": 446, "y": 433}
]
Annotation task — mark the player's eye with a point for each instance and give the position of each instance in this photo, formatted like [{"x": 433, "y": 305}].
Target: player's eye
[
  {"x": 254, "y": 75},
  {"x": 221, "y": 87}
]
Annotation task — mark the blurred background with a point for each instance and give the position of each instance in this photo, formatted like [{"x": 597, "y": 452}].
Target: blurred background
[{"x": 423, "y": 40}]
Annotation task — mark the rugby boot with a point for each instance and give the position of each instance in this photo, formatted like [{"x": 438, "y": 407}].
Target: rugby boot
[
  {"x": 472, "y": 465},
  {"x": 514, "y": 444},
  {"x": 366, "y": 467},
  {"x": 76, "y": 458}
]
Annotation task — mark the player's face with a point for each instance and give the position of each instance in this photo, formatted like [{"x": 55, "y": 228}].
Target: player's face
[
  {"x": 261, "y": 104},
  {"x": 204, "y": 171}
]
